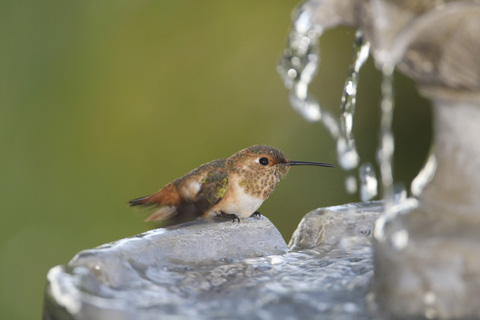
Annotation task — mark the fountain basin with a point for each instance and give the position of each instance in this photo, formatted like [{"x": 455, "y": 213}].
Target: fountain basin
[{"x": 215, "y": 270}]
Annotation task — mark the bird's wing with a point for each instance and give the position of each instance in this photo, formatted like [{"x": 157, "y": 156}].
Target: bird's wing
[
  {"x": 205, "y": 186},
  {"x": 201, "y": 188},
  {"x": 214, "y": 187}
]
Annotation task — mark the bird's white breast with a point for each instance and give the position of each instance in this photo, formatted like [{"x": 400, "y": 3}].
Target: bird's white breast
[
  {"x": 244, "y": 205},
  {"x": 237, "y": 201}
]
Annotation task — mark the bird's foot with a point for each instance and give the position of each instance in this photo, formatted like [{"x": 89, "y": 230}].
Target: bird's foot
[
  {"x": 232, "y": 216},
  {"x": 256, "y": 214}
]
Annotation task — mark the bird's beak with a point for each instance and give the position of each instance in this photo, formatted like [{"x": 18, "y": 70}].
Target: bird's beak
[{"x": 308, "y": 163}]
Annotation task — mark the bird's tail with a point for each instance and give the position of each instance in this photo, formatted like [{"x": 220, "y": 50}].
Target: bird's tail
[
  {"x": 138, "y": 201},
  {"x": 167, "y": 199}
]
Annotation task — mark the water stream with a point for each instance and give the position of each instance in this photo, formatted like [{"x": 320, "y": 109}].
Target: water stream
[
  {"x": 298, "y": 66},
  {"x": 387, "y": 144},
  {"x": 346, "y": 148}
]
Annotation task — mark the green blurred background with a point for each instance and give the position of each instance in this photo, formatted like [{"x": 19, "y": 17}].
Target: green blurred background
[{"x": 104, "y": 101}]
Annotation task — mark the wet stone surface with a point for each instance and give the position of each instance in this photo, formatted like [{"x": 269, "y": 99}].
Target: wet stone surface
[
  {"x": 332, "y": 225},
  {"x": 134, "y": 279}
]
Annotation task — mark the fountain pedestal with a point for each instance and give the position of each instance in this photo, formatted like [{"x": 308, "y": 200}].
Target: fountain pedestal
[{"x": 428, "y": 260}]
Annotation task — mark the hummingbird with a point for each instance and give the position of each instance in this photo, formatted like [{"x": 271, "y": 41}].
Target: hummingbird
[{"x": 232, "y": 188}]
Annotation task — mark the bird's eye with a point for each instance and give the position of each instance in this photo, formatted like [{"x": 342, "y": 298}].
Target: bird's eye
[{"x": 263, "y": 161}]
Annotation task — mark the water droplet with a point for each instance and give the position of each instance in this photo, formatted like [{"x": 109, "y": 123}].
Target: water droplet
[
  {"x": 351, "y": 184},
  {"x": 296, "y": 63},
  {"x": 400, "y": 239},
  {"x": 347, "y": 153},
  {"x": 368, "y": 182},
  {"x": 292, "y": 73},
  {"x": 350, "y": 88}
]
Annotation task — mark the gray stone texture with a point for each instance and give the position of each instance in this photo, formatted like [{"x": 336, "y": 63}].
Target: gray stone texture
[{"x": 215, "y": 270}]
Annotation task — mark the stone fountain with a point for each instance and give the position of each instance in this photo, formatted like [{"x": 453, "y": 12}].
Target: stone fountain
[{"x": 426, "y": 259}]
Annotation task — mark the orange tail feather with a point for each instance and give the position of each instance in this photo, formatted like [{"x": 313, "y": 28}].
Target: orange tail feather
[{"x": 166, "y": 198}]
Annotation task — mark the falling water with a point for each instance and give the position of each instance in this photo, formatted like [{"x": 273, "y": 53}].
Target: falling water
[
  {"x": 351, "y": 184},
  {"x": 387, "y": 146},
  {"x": 425, "y": 175},
  {"x": 392, "y": 194},
  {"x": 368, "y": 182},
  {"x": 298, "y": 67},
  {"x": 346, "y": 149}
]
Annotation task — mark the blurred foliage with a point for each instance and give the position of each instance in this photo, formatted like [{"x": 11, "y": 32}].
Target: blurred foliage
[{"x": 104, "y": 101}]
